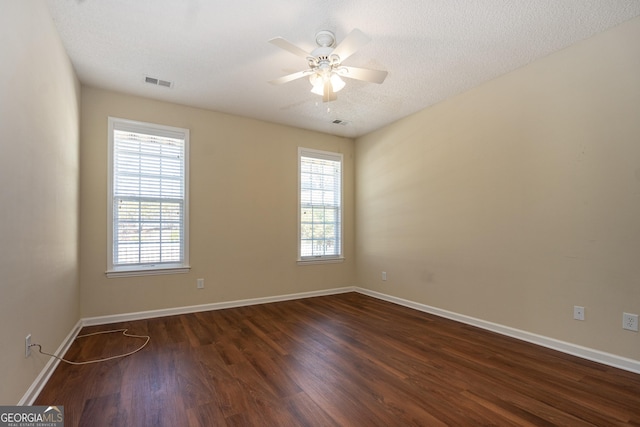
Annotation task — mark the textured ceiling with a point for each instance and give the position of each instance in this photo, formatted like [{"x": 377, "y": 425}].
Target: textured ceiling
[{"x": 217, "y": 55}]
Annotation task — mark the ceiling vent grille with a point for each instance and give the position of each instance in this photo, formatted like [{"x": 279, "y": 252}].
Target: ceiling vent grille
[
  {"x": 340, "y": 122},
  {"x": 157, "y": 82}
]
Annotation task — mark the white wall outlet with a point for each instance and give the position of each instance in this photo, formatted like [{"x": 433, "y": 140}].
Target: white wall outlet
[
  {"x": 27, "y": 346},
  {"x": 384, "y": 275},
  {"x": 630, "y": 322},
  {"x": 578, "y": 312},
  {"x": 200, "y": 283}
]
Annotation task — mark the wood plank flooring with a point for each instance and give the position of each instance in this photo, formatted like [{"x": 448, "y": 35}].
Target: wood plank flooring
[{"x": 340, "y": 360}]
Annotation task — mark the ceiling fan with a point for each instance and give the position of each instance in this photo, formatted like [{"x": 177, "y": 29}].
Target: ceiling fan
[{"x": 325, "y": 63}]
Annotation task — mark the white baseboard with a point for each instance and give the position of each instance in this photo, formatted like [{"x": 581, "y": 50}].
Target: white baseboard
[
  {"x": 44, "y": 375},
  {"x": 125, "y": 317},
  {"x": 562, "y": 346},
  {"x": 576, "y": 350}
]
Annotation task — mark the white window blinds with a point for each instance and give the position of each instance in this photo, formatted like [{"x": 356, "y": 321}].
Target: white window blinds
[
  {"x": 320, "y": 209},
  {"x": 148, "y": 196}
]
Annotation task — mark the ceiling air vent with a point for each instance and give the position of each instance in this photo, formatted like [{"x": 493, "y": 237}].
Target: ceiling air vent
[
  {"x": 340, "y": 122},
  {"x": 157, "y": 82}
]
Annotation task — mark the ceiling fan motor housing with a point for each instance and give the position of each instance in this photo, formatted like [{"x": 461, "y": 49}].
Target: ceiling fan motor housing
[{"x": 325, "y": 38}]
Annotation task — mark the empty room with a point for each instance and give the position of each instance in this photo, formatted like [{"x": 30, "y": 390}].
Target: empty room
[{"x": 347, "y": 213}]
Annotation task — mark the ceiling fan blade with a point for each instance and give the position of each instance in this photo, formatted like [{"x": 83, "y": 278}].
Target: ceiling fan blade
[
  {"x": 329, "y": 94},
  {"x": 373, "y": 76},
  {"x": 289, "y": 77},
  {"x": 287, "y": 45},
  {"x": 354, "y": 41}
]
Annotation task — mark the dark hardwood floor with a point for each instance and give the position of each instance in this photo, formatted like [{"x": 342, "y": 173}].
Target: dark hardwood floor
[{"x": 341, "y": 360}]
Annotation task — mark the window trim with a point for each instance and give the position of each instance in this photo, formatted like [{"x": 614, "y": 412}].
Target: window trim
[
  {"x": 112, "y": 271},
  {"x": 320, "y": 259}
]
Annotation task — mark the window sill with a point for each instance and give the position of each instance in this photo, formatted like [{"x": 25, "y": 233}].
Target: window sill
[
  {"x": 312, "y": 261},
  {"x": 147, "y": 272}
]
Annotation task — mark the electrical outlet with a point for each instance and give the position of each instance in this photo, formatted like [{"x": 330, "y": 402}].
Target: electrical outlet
[
  {"x": 630, "y": 322},
  {"x": 200, "y": 283},
  {"x": 384, "y": 275},
  {"x": 578, "y": 312},
  {"x": 27, "y": 346}
]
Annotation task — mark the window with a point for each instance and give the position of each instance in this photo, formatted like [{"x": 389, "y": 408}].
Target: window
[
  {"x": 148, "y": 205},
  {"x": 320, "y": 206}
]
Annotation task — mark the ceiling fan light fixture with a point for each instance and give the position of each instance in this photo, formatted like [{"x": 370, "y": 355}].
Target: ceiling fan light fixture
[
  {"x": 317, "y": 81},
  {"x": 336, "y": 82}
]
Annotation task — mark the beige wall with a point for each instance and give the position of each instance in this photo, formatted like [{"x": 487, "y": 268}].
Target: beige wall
[
  {"x": 243, "y": 210},
  {"x": 517, "y": 200},
  {"x": 39, "y": 128}
]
